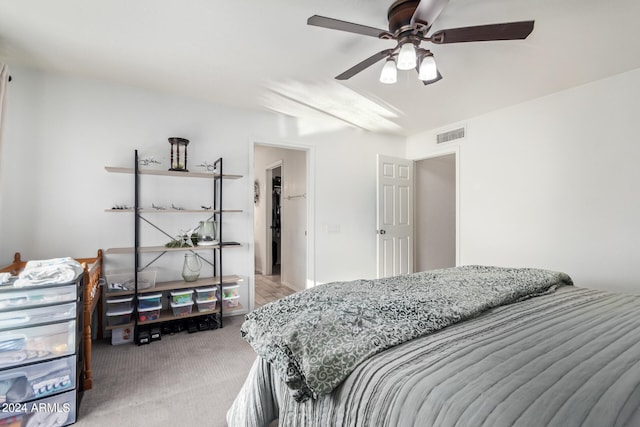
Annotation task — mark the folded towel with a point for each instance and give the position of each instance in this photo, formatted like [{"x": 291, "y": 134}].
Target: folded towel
[
  {"x": 50, "y": 271},
  {"x": 4, "y": 278}
]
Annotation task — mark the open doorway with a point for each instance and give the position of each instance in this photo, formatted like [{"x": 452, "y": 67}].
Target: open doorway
[
  {"x": 436, "y": 212},
  {"x": 280, "y": 222}
]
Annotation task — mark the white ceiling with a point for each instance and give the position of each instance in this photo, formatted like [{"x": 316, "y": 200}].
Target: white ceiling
[{"x": 237, "y": 52}]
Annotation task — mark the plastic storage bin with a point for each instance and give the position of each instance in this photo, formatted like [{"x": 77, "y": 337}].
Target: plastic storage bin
[
  {"x": 231, "y": 302},
  {"x": 230, "y": 291},
  {"x": 126, "y": 281},
  {"x": 34, "y": 297},
  {"x": 182, "y": 296},
  {"x": 58, "y": 410},
  {"x": 149, "y": 314},
  {"x": 23, "y": 345},
  {"x": 119, "y": 317},
  {"x": 206, "y": 294},
  {"x": 205, "y": 306},
  {"x": 34, "y": 316},
  {"x": 39, "y": 379},
  {"x": 181, "y": 309},
  {"x": 149, "y": 300},
  {"x": 119, "y": 303}
]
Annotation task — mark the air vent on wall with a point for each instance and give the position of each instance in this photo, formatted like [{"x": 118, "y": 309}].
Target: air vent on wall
[{"x": 451, "y": 135}]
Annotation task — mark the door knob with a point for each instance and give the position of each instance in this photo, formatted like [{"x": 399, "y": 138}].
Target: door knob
[{"x": 383, "y": 232}]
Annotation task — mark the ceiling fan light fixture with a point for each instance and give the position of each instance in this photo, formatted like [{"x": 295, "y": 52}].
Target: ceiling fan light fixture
[
  {"x": 428, "y": 68},
  {"x": 407, "y": 57},
  {"x": 389, "y": 74}
]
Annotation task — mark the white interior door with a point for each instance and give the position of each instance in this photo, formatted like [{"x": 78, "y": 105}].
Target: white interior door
[{"x": 395, "y": 216}]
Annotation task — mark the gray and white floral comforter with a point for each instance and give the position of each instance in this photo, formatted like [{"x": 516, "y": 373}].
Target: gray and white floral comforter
[{"x": 314, "y": 339}]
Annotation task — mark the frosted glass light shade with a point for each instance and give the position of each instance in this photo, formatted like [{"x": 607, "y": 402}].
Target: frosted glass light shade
[
  {"x": 389, "y": 74},
  {"x": 428, "y": 69},
  {"x": 407, "y": 57}
]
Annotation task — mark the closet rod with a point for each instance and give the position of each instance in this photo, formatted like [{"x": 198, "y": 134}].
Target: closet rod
[{"x": 295, "y": 197}]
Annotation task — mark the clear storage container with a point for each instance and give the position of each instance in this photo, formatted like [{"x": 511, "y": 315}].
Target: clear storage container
[
  {"x": 181, "y": 309},
  {"x": 181, "y": 296},
  {"x": 119, "y": 317},
  {"x": 206, "y": 294},
  {"x": 119, "y": 303},
  {"x": 231, "y": 302},
  {"x": 230, "y": 291},
  {"x": 149, "y": 300},
  {"x": 149, "y": 314},
  {"x": 205, "y": 306}
]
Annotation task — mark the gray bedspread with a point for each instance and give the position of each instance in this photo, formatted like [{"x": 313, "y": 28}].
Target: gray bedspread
[
  {"x": 315, "y": 338},
  {"x": 569, "y": 358}
]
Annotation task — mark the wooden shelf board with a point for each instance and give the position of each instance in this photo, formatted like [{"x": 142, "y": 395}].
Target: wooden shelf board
[
  {"x": 231, "y": 311},
  {"x": 179, "y": 284},
  {"x": 128, "y": 325},
  {"x": 160, "y": 172},
  {"x": 152, "y": 210},
  {"x": 167, "y": 315},
  {"x": 200, "y": 283},
  {"x": 147, "y": 249}
]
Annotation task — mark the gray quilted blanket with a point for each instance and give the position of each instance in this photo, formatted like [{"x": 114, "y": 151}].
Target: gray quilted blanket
[{"x": 316, "y": 337}]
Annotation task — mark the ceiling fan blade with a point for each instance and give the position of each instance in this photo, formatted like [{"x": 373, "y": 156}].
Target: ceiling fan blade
[
  {"x": 364, "y": 64},
  {"x": 427, "y": 12},
  {"x": 479, "y": 33},
  {"x": 350, "y": 27},
  {"x": 437, "y": 79}
]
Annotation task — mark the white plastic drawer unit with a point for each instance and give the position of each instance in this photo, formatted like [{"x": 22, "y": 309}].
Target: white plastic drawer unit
[
  {"x": 36, "y": 316},
  {"x": 54, "y": 411},
  {"x": 26, "y": 297},
  {"x": 38, "y": 380},
  {"x": 20, "y": 346}
]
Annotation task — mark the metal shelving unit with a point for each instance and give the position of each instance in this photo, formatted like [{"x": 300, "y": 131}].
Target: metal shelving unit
[{"x": 217, "y": 279}]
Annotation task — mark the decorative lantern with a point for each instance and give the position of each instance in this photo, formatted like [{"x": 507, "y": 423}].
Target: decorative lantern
[{"x": 178, "y": 154}]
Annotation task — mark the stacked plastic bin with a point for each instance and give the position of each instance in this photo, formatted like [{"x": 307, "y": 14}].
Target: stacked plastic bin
[
  {"x": 206, "y": 299},
  {"x": 149, "y": 306},
  {"x": 181, "y": 302},
  {"x": 230, "y": 296},
  {"x": 119, "y": 313}
]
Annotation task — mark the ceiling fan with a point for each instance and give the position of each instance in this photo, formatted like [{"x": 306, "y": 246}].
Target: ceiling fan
[{"x": 409, "y": 24}]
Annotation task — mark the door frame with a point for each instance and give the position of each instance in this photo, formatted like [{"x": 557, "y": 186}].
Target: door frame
[
  {"x": 455, "y": 150},
  {"x": 310, "y": 263},
  {"x": 268, "y": 173}
]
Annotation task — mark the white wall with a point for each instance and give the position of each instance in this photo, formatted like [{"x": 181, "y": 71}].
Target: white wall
[
  {"x": 62, "y": 131},
  {"x": 555, "y": 183},
  {"x": 293, "y": 213}
]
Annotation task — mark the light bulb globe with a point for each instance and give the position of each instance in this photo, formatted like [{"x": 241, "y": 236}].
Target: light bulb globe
[
  {"x": 389, "y": 74},
  {"x": 428, "y": 69},
  {"x": 407, "y": 57}
]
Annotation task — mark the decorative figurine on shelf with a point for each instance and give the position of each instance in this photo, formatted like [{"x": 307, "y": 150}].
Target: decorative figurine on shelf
[
  {"x": 120, "y": 207},
  {"x": 148, "y": 161},
  {"x": 210, "y": 167},
  {"x": 178, "y": 154},
  {"x": 185, "y": 239}
]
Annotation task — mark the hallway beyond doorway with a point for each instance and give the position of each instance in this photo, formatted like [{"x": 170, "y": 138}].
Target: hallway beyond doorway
[{"x": 269, "y": 288}]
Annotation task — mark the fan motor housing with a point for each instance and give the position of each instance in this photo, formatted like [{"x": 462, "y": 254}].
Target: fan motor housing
[{"x": 399, "y": 15}]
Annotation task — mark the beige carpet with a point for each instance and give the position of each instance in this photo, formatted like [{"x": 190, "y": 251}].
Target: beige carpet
[{"x": 183, "y": 380}]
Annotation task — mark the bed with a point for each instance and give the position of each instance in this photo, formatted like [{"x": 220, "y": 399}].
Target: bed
[
  {"x": 555, "y": 355},
  {"x": 92, "y": 271}
]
